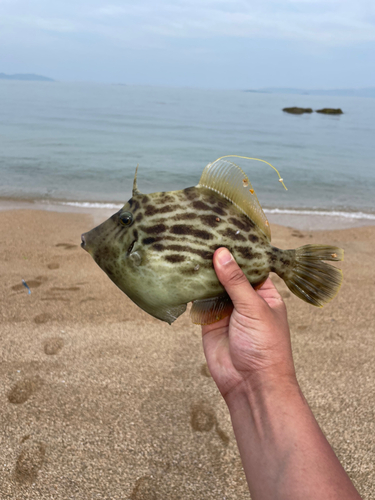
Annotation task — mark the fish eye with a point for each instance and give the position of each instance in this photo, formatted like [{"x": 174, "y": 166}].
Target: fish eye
[{"x": 126, "y": 219}]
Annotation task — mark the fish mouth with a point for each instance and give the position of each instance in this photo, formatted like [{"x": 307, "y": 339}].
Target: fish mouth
[{"x": 83, "y": 242}]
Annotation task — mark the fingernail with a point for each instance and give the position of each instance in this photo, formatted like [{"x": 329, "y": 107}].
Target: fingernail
[{"x": 224, "y": 256}]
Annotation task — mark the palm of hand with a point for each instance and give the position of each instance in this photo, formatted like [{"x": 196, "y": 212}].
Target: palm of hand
[{"x": 249, "y": 341}]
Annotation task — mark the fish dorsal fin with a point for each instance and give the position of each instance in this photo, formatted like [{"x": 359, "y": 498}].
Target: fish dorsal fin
[
  {"x": 229, "y": 180},
  {"x": 135, "y": 186},
  {"x": 208, "y": 311}
]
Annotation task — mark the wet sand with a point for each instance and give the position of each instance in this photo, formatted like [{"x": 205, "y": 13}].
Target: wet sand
[{"x": 101, "y": 401}]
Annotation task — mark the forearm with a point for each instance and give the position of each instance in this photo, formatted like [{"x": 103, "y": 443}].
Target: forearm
[{"x": 284, "y": 453}]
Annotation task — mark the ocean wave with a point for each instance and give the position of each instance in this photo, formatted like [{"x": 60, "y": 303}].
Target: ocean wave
[
  {"x": 88, "y": 204},
  {"x": 277, "y": 211},
  {"x": 333, "y": 213}
]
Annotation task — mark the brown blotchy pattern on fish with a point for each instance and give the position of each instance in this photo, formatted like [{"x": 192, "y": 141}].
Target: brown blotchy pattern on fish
[
  {"x": 164, "y": 198},
  {"x": 152, "y": 210},
  {"x": 179, "y": 248},
  {"x": 231, "y": 234},
  {"x": 210, "y": 220},
  {"x": 139, "y": 217},
  {"x": 183, "y": 229},
  {"x": 200, "y": 205},
  {"x": 245, "y": 224},
  {"x": 285, "y": 262},
  {"x": 246, "y": 253},
  {"x": 156, "y": 229},
  {"x": 219, "y": 211},
  {"x": 190, "y": 193},
  {"x": 175, "y": 257},
  {"x": 253, "y": 238},
  {"x": 148, "y": 241},
  {"x": 272, "y": 257},
  {"x": 136, "y": 206}
]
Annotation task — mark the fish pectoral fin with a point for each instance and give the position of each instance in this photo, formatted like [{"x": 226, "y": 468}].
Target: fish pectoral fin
[
  {"x": 169, "y": 314},
  {"x": 208, "y": 311}
]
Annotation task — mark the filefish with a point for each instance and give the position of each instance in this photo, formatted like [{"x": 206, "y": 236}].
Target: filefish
[{"x": 158, "y": 248}]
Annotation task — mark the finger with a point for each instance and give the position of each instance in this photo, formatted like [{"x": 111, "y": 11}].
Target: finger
[
  {"x": 244, "y": 297},
  {"x": 269, "y": 293},
  {"x": 219, "y": 325}
]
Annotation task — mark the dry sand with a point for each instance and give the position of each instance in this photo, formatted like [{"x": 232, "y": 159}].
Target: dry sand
[{"x": 101, "y": 401}]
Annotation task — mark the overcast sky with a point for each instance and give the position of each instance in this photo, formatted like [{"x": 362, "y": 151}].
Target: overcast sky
[{"x": 199, "y": 43}]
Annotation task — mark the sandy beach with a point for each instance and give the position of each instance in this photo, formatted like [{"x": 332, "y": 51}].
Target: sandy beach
[{"x": 101, "y": 401}]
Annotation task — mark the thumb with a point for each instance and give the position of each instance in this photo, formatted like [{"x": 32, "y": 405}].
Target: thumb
[{"x": 244, "y": 297}]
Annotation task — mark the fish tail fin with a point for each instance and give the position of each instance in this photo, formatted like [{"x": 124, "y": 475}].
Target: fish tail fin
[{"x": 311, "y": 279}]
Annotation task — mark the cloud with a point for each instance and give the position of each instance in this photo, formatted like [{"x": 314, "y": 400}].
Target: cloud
[
  {"x": 336, "y": 22},
  {"x": 328, "y": 21}
]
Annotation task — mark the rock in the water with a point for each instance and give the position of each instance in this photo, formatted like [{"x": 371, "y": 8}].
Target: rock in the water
[
  {"x": 297, "y": 111},
  {"x": 330, "y": 111}
]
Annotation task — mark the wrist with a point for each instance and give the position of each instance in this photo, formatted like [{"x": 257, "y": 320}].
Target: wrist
[{"x": 259, "y": 387}]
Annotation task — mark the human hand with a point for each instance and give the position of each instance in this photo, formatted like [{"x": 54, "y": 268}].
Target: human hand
[{"x": 252, "y": 346}]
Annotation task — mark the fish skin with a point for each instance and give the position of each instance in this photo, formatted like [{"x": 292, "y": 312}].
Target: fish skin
[{"x": 163, "y": 260}]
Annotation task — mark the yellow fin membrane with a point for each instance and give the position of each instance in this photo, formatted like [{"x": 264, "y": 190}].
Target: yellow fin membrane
[
  {"x": 208, "y": 311},
  {"x": 229, "y": 180}
]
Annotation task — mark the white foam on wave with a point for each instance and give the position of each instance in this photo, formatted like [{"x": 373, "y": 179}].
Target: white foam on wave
[
  {"x": 88, "y": 204},
  {"x": 279, "y": 211},
  {"x": 333, "y": 213}
]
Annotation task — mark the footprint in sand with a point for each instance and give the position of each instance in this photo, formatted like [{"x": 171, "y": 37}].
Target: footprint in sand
[
  {"x": 298, "y": 234},
  {"x": 205, "y": 371},
  {"x": 66, "y": 246},
  {"x": 64, "y": 289},
  {"x": 222, "y": 435},
  {"x": 53, "y": 345},
  {"x": 144, "y": 489},
  {"x": 56, "y": 293},
  {"x": 23, "y": 389},
  {"x": 202, "y": 417},
  {"x": 42, "y": 318},
  {"x": 302, "y": 328},
  {"x": 53, "y": 265},
  {"x": 29, "y": 461},
  {"x": 88, "y": 299},
  {"x": 33, "y": 283}
]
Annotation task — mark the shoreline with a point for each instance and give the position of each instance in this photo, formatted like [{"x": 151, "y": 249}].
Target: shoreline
[{"x": 301, "y": 219}]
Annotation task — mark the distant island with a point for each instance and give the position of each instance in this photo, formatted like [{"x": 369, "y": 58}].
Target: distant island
[
  {"x": 366, "y": 92},
  {"x": 26, "y": 77}
]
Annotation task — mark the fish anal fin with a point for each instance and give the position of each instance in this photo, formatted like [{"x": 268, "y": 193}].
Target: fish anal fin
[
  {"x": 208, "y": 311},
  {"x": 259, "y": 284},
  {"x": 229, "y": 180}
]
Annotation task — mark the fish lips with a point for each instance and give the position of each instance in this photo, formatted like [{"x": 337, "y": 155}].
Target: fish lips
[
  {"x": 85, "y": 244},
  {"x": 83, "y": 241}
]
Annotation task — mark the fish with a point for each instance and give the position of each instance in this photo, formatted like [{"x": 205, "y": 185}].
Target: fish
[{"x": 158, "y": 248}]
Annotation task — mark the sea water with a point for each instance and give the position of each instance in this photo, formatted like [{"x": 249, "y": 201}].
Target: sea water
[{"x": 80, "y": 143}]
